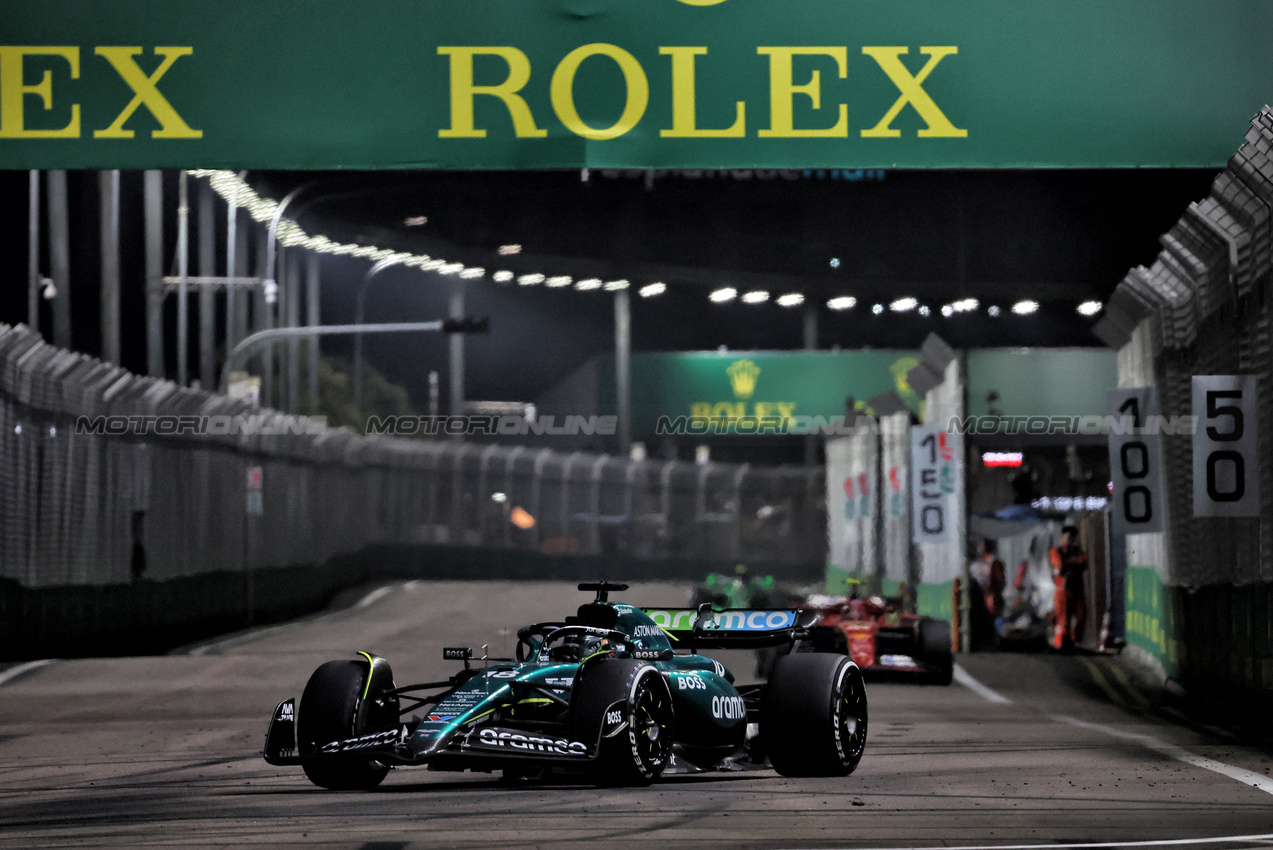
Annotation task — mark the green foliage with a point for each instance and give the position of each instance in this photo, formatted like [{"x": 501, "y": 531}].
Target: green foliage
[{"x": 336, "y": 395}]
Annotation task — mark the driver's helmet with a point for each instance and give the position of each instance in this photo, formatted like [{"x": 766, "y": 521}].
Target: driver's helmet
[{"x": 576, "y": 647}]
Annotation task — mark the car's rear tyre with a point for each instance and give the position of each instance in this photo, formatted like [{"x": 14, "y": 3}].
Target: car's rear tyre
[
  {"x": 329, "y": 712},
  {"x": 641, "y": 748},
  {"x": 813, "y": 715},
  {"x": 935, "y": 651}
]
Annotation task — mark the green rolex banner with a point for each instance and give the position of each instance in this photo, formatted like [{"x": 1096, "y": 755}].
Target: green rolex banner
[
  {"x": 760, "y": 393},
  {"x": 629, "y": 83}
]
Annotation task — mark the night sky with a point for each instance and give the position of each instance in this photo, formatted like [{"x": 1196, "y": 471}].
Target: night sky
[{"x": 1059, "y": 237}]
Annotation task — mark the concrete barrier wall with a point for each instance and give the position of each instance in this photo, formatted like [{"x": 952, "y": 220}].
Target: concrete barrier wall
[{"x": 147, "y": 617}]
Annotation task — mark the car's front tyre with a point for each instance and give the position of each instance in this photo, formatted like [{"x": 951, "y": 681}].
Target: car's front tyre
[
  {"x": 329, "y": 711},
  {"x": 635, "y": 750}
]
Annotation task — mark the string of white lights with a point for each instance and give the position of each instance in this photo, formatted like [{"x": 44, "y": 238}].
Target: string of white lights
[{"x": 236, "y": 191}]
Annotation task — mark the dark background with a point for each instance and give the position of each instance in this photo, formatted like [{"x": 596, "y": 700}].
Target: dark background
[{"x": 1059, "y": 237}]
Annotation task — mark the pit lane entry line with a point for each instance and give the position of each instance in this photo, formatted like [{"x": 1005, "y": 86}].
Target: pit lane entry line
[
  {"x": 1172, "y": 842},
  {"x": 965, "y": 678}
]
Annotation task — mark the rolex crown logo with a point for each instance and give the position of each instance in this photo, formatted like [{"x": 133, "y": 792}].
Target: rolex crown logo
[{"x": 742, "y": 377}]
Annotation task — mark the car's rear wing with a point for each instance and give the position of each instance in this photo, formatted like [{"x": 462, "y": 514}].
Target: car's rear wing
[{"x": 732, "y": 628}]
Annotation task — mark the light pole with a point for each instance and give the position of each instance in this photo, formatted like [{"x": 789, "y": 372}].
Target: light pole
[
  {"x": 622, "y": 365},
  {"x": 259, "y": 338},
  {"x": 359, "y": 311},
  {"x": 33, "y": 251},
  {"x": 272, "y": 246},
  {"x": 292, "y": 317}
]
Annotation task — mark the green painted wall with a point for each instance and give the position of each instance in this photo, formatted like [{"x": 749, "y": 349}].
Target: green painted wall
[
  {"x": 935, "y": 600},
  {"x": 1153, "y": 618},
  {"x": 1041, "y": 381}
]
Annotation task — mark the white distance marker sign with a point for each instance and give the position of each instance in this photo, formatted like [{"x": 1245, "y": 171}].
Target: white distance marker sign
[
  {"x": 1226, "y": 463},
  {"x": 934, "y": 454},
  {"x": 1135, "y": 462}
]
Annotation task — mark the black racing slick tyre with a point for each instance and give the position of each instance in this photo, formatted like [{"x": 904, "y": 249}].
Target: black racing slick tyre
[
  {"x": 624, "y": 708},
  {"x": 813, "y": 715},
  {"x": 329, "y": 711},
  {"x": 935, "y": 651}
]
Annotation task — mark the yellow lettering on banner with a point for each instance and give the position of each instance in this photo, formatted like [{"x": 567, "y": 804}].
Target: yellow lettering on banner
[
  {"x": 782, "y": 91},
  {"x": 463, "y": 91},
  {"x": 701, "y": 410},
  {"x": 171, "y": 125},
  {"x": 939, "y": 125},
  {"x": 563, "y": 95},
  {"x": 728, "y": 410},
  {"x": 13, "y": 92},
  {"x": 787, "y": 410},
  {"x": 684, "y": 122}
]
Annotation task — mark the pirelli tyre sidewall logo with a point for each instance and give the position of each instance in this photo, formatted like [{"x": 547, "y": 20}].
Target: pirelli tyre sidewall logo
[
  {"x": 525, "y": 742},
  {"x": 647, "y": 766}
]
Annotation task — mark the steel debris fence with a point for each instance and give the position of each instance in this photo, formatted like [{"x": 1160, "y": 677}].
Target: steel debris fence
[{"x": 97, "y": 508}]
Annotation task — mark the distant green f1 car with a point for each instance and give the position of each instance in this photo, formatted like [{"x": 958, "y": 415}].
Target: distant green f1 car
[{"x": 613, "y": 694}]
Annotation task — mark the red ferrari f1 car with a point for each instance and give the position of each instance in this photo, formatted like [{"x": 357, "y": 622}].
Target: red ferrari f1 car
[{"x": 885, "y": 642}]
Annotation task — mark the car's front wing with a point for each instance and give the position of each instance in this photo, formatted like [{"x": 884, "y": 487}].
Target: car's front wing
[{"x": 480, "y": 745}]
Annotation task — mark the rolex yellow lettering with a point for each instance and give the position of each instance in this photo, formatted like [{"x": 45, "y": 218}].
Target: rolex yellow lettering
[
  {"x": 782, "y": 92},
  {"x": 464, "y": 90},
  {"x": 13, "y": 92},
  {"x": 563, "y": 99},
  {"x": 684, "y": 118},
  {"x": 146, "y": 93},
  {"x": 912, "y": 92}
]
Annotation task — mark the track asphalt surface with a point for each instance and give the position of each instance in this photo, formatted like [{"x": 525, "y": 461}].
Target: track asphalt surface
[{"x": 1023, "y": 750}]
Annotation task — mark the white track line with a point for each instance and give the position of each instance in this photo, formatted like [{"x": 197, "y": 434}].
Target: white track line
[
  {"x": 231, "y": 642},
  {"x": 238, "y": 640},
  {"x": 965, "y": 678},
  {"x": 1247, "y": 777},
  {"x": 14, "y": 672},
  {"x": 375, "y": 595},
  {"x": 1175, "y": 842}
]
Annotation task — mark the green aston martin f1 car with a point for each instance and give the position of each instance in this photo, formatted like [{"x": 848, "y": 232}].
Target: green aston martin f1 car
[{"x": 614, "y": 694}]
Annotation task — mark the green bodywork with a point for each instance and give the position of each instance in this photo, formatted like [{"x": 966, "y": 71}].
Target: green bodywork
[
  {"x": 711, "y": 719},
  {"x": 738, "y": 591}
]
